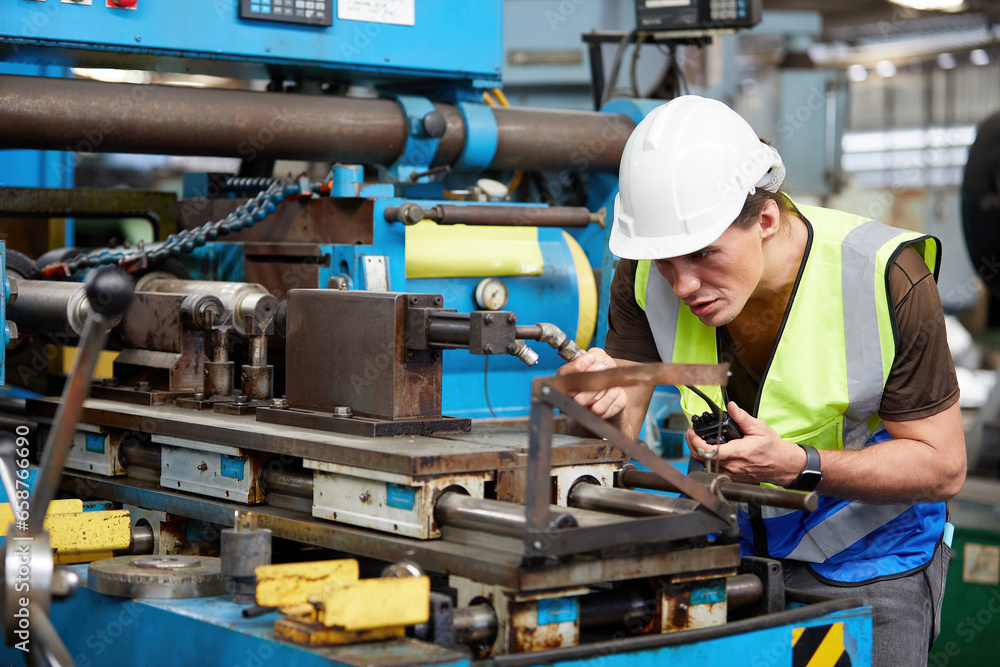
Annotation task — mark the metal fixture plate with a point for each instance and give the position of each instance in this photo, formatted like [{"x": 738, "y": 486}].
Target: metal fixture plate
[
  {"x": 157, "y": 577},
  {"x": 474, "y": 562}
]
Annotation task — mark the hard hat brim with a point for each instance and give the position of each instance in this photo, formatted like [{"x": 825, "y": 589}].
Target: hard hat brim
[{"x": 662, "y": 247}]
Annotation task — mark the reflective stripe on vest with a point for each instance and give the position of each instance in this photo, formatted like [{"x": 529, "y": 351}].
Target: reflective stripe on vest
[{"x": 824, "y": 384}]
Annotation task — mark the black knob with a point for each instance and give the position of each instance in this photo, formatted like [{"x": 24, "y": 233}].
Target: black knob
[
  {"x": 109, "y": 290},
  {"x": 434, "y": 124}
]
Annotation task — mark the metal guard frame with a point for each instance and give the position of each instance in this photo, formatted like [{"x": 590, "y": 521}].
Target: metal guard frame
[{"x": 549, "y": 394}]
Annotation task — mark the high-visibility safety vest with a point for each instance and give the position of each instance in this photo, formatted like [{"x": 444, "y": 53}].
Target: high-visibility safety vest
[{"x": 822, "y": 387}]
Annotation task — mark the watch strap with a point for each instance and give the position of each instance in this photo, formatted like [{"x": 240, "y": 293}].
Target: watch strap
[{"x": 811, "y": 475}]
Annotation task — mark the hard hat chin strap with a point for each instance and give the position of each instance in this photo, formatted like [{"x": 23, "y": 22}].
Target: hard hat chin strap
[{"x": 775, "y": 176}]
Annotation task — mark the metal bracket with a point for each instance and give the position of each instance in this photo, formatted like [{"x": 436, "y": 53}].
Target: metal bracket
[
  {"x": 549, "y": 394},
  {"x": 480, "y": 136},
  {"x": 421, "y": 139}
]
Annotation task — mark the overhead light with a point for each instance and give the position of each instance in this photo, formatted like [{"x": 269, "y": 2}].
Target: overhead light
[
  {"x": 979, "y": 57},
  {"x": 931, "y": 5},
  {"x": 885, "y": 68},
  {"x": 857, "y": 73},
  {"x": 946, "y": 61}
]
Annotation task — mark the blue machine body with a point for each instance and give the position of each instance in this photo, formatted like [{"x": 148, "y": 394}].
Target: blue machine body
[
  {"x": 216, "y": 37},
  {"x": 104, "y": 630}
]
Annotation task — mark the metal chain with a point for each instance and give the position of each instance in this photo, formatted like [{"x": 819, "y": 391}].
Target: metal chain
[{"x": 255, "y": 210}]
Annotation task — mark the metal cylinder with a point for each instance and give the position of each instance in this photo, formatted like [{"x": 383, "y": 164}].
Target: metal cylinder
[
  {"x": 62, "y": 114},
  {"x": 474, "y": 624},
  {"x": 613, "y": 608},
  {"x": 586, "y": 495},
  {"x": 461, "y": 511},
  {"x": 201, "y": 310},
  {"x": 44, "y": 307},
  {"x": 500, "y": 216},
  {"x": 258, "y": 382},
  {"x": 732, "y": 491},
  {"x": 143, "y": 541},
  {"x": 142, "y": 454},
  {"x": 242, "y": 552},
  {"x": 248, "y": 302},
  {"x": 743, "y": 589},
  {"x": 449, "y": 331},
  {"x": 289, "y": 482}
]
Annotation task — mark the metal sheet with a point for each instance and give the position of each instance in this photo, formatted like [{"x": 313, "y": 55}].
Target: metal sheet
[{"x": 417, "y": 455}]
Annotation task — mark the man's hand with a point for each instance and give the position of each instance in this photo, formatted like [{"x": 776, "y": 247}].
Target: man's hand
[
  {"x": 759, "y": 456},
  {"x": 607, "y": 403}
]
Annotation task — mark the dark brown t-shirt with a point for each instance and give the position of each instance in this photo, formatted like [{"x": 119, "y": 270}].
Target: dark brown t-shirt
[{"x": 922, "y": 380}]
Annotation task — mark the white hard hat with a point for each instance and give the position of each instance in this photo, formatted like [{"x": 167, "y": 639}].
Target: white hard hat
[{"x": 685, "y": 174}]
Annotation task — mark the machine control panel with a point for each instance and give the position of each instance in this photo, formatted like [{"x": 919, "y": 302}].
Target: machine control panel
[
  {"x": 305, "y": 12},
  {"x": 666, "y": 15}
]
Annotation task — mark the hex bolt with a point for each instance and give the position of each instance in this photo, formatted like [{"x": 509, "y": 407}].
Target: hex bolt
[
  {"x": 488, "y": 318},
  {"x": 511, "y": 319},
  {"x": 242, "y": 400},
  {"x": 488, "y": 349},
  {"x": 413, "y": 300},
  {"x": 280, "y": 402},
  {"x": 342, "y": 411}
]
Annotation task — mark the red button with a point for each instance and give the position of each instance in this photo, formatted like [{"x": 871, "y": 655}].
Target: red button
[{"x": 126, "y": 3}]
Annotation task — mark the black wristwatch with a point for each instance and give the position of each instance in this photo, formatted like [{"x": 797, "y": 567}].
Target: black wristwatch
[{"x": 809, "y": 478}]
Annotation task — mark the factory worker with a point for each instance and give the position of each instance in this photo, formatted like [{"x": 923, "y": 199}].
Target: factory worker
[{"x": 842, "y": 381}]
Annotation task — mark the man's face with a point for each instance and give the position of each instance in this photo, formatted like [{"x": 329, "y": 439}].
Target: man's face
[{"x": 717, "y": 281}]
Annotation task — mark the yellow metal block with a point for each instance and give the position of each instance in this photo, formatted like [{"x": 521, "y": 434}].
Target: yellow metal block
[
  {"x": 375, "y": 603},
  {"x": 90, "y": 531},
  {"x": 291, "y": 583},
  {"x": 301, "y": 612},
  {"x": 63, "y": 362},
  {"x": 316, "y": 634},
  {"x": 70, "y": 506},
  {"x": 68, "y": 557}
]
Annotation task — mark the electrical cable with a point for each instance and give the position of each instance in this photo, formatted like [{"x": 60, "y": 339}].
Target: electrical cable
[
  {"x": 635, "y": 61},
  {"x": 616, "y": 65},
  {"x": 486, "y": 386}
]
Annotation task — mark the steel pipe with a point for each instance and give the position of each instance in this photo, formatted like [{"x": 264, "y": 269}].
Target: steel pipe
[
  {"x": 632, "y": 477},
  {"x": 90, "y": 116},
  {"x": 143, "y": 542},
  {"x": 589, "y": 496},
  {"x": 289, "y": 482},
  {"x": 613, "y": 607},
  {"x": 493, "y": 516}
]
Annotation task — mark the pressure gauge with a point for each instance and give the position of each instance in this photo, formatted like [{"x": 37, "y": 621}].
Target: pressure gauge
[{"x": 491, "y": 294}]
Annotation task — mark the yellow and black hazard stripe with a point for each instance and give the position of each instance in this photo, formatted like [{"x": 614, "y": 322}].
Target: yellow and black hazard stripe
[{"x": 819, "y": 646}]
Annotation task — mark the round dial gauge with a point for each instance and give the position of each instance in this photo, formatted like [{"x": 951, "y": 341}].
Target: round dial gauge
[{"x": 491, "y": 294}]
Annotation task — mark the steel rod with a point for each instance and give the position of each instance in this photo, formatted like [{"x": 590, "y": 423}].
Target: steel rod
[
  {"x": 91, "y": 116},
  {"x": 743, "y": 589},
  {"x": 630, "y": 503},
  {"x": 733, "y": 491},
  {"x": 142, "y": 454},
  {"x": 67, "y": 416},
  {"x": 290, "y": 482},
  {"x": 494, "y": 516}
]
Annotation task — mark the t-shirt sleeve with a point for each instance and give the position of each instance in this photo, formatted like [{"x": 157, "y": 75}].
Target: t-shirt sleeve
[
  {"x": 922, "y": 380},
  {"x": 629, "y": 335}
]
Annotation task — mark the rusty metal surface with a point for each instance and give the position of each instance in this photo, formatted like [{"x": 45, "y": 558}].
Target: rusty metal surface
[
  {"x": 347, "y": 348},
  {"x": 649, "y": 374},
  {"x": 528, "y": 635},
  {"x": 159, "y": 208},
  {"x": 362, "y": 426},
  {"x": 491, "y": 567},
  {"x": 407, "y": 455},
  {"x": 328, "y": 220},
  {"x": 51, "y": 114}
]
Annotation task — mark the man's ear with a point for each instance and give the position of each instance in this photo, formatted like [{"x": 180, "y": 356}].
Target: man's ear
[{"x": 770, "y": 220}]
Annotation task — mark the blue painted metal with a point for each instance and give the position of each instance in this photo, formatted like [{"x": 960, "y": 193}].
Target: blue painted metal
[
  {"x": 558, "y": 610},
  {"x": 209, "y": 37},
  {"x": 420, "y": 147},
  {"x": 400, "y": 497},
  {"x": 481, "y": 136},
  {"x": 232, "y": 466},
  {"x": 3, "y": 310},
  {"x": 105, "y": 630}
]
